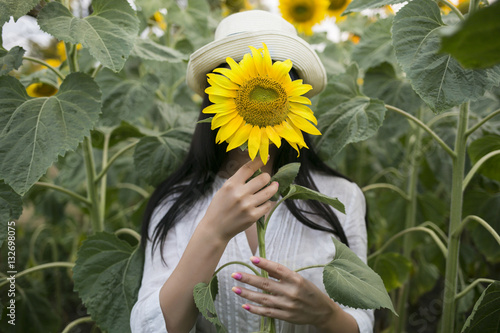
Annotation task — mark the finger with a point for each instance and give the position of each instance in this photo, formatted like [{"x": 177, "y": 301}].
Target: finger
[
  {"x": 259, "y": 282},
  {"x": 248, "y": 169},
  {"x": 274, "y": 269},
  {"x": 265, "y": 194},
  {"x": 257, "y": 297},
  {"x": 256, "y": 184},
  {"x": 267, "y": 311}
]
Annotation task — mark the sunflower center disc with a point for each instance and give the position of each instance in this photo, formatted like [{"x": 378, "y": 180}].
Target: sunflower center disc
[
  {"x": 262, "y": 102},
  {"x": 302, "y": 12}
]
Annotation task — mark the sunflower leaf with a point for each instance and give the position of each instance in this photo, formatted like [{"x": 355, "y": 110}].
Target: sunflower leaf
[
  {"x": 304, "y": 193},
  {"x": 484, "y": 316},
  {"x": 11, "y": 59},
  {"x": 11, "y": 207},
  {"x": 149, "y": 50},
  {"x": 437, "y": 78},
  {"x": 351, "y": 282},
  {"x": 345, "y": 114},
  {"x": 482, "y": 146},
  {"x": 359, "y": 5},
  {"x": 109, "y": 32},
  {"x": 35, "y": 131},
  {"x": 204, "y": 296},
  {"x": 475, "y": 43},
  {"x": 16, "y": 9},
  {"x": 285, "y": 177}
]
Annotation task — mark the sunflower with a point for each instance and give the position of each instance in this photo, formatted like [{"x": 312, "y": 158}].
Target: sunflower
[
  {"x": 303, "y": 14},
  {"x": 336, "y": 8},
  {"x": 41, "y": 89},
  {"x": 234, "y": 6},
  {"x": 256, "y": 102}
]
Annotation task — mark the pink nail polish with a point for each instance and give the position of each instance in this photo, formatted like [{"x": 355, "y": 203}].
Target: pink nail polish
[
  {"x": 236, "y": 290},
  {"x": 236, "y": 276},
  {"x": 254, "y": 260},
  {"x": 246, "y": 306}
]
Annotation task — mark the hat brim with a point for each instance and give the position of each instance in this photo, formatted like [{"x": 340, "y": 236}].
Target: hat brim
[{"x": 281, "y": 47}]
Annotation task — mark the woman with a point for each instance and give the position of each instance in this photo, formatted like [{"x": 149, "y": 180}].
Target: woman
[{"x": 204, "y": 215}]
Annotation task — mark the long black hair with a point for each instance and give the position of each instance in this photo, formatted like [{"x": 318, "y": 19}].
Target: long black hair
[{"x": 204, "y": 160}]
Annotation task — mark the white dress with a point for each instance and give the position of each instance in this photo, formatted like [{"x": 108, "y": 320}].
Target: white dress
[{"x": 288, "y": 242}]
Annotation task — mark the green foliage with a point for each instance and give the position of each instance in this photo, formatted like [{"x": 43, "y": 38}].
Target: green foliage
[
  {"x": 359, "y": 5},
  {"x": 109, "y": 33},
  {"x": 149, "y": 50},
  {"x": 480, "y": 148},
  {"x": 11, "y": 206},
  {"x": 11, "y": 59},
  {"x": 475, "y": 43},
  {"x": 204, "y": 296},
  {"x": 15, "y": 9},
  {"x": 107, "y": 276},
  {"x": 303, "y": 193},
  {"x": 351, "y": 282},
  {"x": 438, "y": 78},
  {"x": 393, "y": 268},
  {"x": 35, "y": 131},
  {"x": 285, "y": 177},
  {"x": 345, "y": 114},
  {"x": 485, "y": 315}
]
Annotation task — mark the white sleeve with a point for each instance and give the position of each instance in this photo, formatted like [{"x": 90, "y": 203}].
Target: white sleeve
[
  {"x": 146, "y": 315},
  {"x": 355, "y": 230}
]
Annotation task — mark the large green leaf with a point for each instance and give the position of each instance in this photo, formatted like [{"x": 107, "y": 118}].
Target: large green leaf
[
  {"x": 15, "y": 8},
  {"x": 126, "y": 98},
  {"x": 485, "y": 317},
  {"x": 11, "y": 59},
  {"x": 393, "y": 268},
  {"x": 383, "y": 83},
  {"x": 109, "y": 33},
  {"x": 304, "y": 193},
  {"x": 35, "y": 131},
  {"x": 147, "y": 49},
  {"x": 285, "y": 177},
  {"x": 437, "y": 77},
  {"x": 204, "y": 296},
  {"x": 375, "y": 46},
  {"x": 359, "y": 5},
  {"x": 479, "y": 148},
  {"x": 345, "y": 114},
  {"x": 11, "y": 207},
  {"x": 475, "y": 42},
  {"x": 107, "y": 277},
  {"x": 349, "y": 281},
  {"x": 158, "y": 156}
]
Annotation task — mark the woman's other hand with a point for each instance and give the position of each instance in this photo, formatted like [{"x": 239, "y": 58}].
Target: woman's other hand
[
  {"x": 292, "y": 298},
  {"x": 238, "y": 203}
]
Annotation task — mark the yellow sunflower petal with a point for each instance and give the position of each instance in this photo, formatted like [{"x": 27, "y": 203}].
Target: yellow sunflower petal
[
  {"x": 300, "y": 99},
  {"x": 303, "y": 124},
  {"x": 236, "y": 69},
  {"x": 224, "y": 107},
  {"x": 258, "y": 61},
  {"x": 264, "y": 145},
  {"x": 268, "y": 62},
  {"x": 273, "y": 136},
  {"x": 294, "y": 146},
  {"x": 239, "y": 137},
  {"x": 247, "y": 64},
  {"x": 222, "y": 81},
  {"x": 229, "y": 129},
  {"x": 280, "y": 69},
  {"x": 301, "y": 143},
  {"x": 219, "y": 99},
  {"x": 287, "y": 132},
  {"x": 217, "y": 91},
  {"x": 297, "y": 88},
  {"x": 230, "y": 75},
  {"x": 254, "y": 142},
  {"x": 222, "y": 119},
  {"x": 303, "y": 111}
]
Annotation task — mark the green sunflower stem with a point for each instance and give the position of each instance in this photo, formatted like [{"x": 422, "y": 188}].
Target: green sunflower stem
[{"x": 266, "y": 324}]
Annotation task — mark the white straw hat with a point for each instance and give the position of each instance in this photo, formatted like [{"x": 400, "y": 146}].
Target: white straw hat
[{"x": 237, "y": 32}]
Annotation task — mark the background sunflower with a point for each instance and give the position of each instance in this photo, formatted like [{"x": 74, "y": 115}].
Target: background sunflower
[{"x": 304, "y": 14}]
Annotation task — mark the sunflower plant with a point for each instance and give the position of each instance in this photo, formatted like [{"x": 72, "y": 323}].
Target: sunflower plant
[{"x": 256, "y": 104}]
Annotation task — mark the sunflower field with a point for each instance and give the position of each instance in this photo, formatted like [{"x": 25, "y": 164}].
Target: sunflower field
[{"x": 90, "y": 124}]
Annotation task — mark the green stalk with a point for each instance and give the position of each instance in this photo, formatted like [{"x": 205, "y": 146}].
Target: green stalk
[
  {"x": 95, "y": 213},
  {"x": 414, "y": 152},
  {"x": 450, "y": 279},
  {"x": 266, "y": 324},
  {"x": 41, "y": 62},
  {"x": 102, "y": 203}
]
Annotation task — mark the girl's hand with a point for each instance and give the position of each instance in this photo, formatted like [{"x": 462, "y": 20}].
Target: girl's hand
[
  {"x": 238, "y": 203},
  {"x": 292, "y": 298}
]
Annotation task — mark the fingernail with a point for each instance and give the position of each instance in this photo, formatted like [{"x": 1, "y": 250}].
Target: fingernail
[
  {"x": 277, "y": 183},
  {"x": 236, "y": 276},
  {"x": 246, "y": 306},
  {"x": 236, "y": 290},
  {"x": 254, "y": 260}
]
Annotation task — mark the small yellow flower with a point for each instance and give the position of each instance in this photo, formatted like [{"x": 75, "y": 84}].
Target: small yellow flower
[
  {"x": 354, "y": 38},
  {"x": 159, "y": 19},
  {"x": 53, "y": 62},
  {"x": 256, "y": 101},
  {"x": 336, "y": 8},
  {"x": 304, "y": 14},
  {"x": 234, "y": 6},
  {"x": 41, "y": 89}
]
